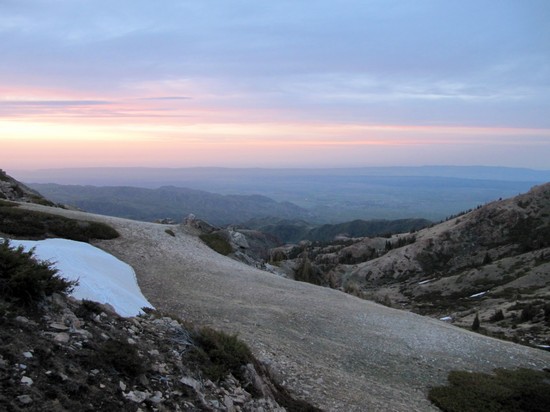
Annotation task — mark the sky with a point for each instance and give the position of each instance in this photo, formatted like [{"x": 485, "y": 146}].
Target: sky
[{"x": 298, "y": 83}]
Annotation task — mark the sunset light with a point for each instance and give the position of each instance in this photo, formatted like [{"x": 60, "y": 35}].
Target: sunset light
[{"x": 182, "y": 87}]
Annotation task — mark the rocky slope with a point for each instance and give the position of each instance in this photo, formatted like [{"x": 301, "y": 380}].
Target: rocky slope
[
  {"x": 493, "y": 261},
  {"x": 82, "y": 356},
  {"x": 61, "y": 354},
  {"x": 335, "y": 350},
  {"x": 11, "y": 189}
]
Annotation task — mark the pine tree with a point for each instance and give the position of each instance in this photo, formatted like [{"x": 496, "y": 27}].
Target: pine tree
[{"x": 475, "y": 324}]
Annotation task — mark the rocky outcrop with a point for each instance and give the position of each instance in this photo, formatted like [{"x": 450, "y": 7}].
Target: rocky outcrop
[
  {"x": 81, "y": 355},
  {"x": 11, "y": 189},
  {"x": 199, "y": 225}
]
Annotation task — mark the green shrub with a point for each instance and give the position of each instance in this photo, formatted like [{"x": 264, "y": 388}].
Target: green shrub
[
  {"x": 39, "y": 200},
  {"x": 25, "y": 280},
  {"x": 121, "y": 356},
  {"x": 546, "y": 309},
  {"x": 20, "y": 222},
  {"x": 497, "y": 316},
  {"x": 506, "y": 390},
  {"x": 220, "y": 354},
  {"x": 476, "y": 323},
  {"x": 7, "y": 203},
  {"x": 88, "y": 309},
  {"x": 529, "y": 312},
  {"x": 217, "y": 242}
]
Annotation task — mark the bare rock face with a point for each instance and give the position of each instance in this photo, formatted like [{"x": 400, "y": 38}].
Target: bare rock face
[
  {"x": 192, "y": 222},
  {"x": 238, "y": 239},
  {"x": 11, "y": 189}
]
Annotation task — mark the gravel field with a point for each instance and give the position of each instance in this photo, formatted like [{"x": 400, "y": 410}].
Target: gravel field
[{"x": 335, "y": 350}]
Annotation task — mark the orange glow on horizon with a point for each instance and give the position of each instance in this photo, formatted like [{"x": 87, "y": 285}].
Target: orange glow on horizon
[{"x": 56, "y": 128}]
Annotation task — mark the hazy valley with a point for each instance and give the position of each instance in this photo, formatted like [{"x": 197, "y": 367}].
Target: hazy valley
[{"x": 328, "y": 195}]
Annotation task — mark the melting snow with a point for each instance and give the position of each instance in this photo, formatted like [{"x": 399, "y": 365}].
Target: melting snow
[{"x": 101, "y": 276}]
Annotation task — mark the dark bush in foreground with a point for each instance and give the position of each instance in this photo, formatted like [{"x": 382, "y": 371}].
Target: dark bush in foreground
[
  {"x": 20, "y": 222},
  {"x": 23, "y": 279},
  {"x": 121, "y": 356},
  {"x": 507, "y": 390},
  {"x": 220, "y": 354}
]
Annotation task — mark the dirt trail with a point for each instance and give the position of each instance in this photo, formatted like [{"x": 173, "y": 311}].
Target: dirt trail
[{"x": 333, "y": 349}]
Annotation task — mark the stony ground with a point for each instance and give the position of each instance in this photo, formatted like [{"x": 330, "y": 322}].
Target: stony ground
[
  {"x": 335, "y": 350},
  {"x": 71, "y": 356}
]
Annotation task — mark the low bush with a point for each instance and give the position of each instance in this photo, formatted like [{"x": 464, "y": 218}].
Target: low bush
[
  {"x": 25, "y": 280},
  {"x": 25, "y": 223},
  {"x": 39, "y": 200},
  {"x": 217, "y": 242},
  {"x": 497, "y": 316},
  {"x": 88, "y": 309},
  {"x": 506, "y": 390},
  {"x": 546, "y": 309},
  {"x": 121, "y": 356},
  {"x": 529, "y": 312},
  {"x": 7, "y": 203},
  {"x": 219, "y": 354}
]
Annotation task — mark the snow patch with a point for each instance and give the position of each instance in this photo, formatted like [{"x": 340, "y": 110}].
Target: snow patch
[
  {"x": 101, "y": 276},
  {"x": 477, "y": 295},
  {"x": 446, "y": 319}
]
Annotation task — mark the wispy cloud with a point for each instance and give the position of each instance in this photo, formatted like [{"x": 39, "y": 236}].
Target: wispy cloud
[
  {"x": 334, "y": 76},
  {"x": 167, "y": 98},
  {"x": 54, "y": 103}
]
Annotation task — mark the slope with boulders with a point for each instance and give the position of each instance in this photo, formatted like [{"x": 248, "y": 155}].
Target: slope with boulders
[
  {"x": 493, "y": 261},
  {"x": 58, "y": 353},
  {"x": 332, "y": 349}
]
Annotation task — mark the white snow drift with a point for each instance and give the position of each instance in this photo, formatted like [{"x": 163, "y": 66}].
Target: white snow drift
[{"x": 101, "y": 276}]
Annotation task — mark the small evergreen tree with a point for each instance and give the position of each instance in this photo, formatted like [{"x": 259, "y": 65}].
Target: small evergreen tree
[
  {"x": 497, "y": 316},
  {"x": 476, "y": 323}
]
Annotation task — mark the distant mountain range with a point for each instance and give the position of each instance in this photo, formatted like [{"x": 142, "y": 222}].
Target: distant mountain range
[
  {"x": 328, "y": 195},
  {"x": 169, "y": 203}
]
